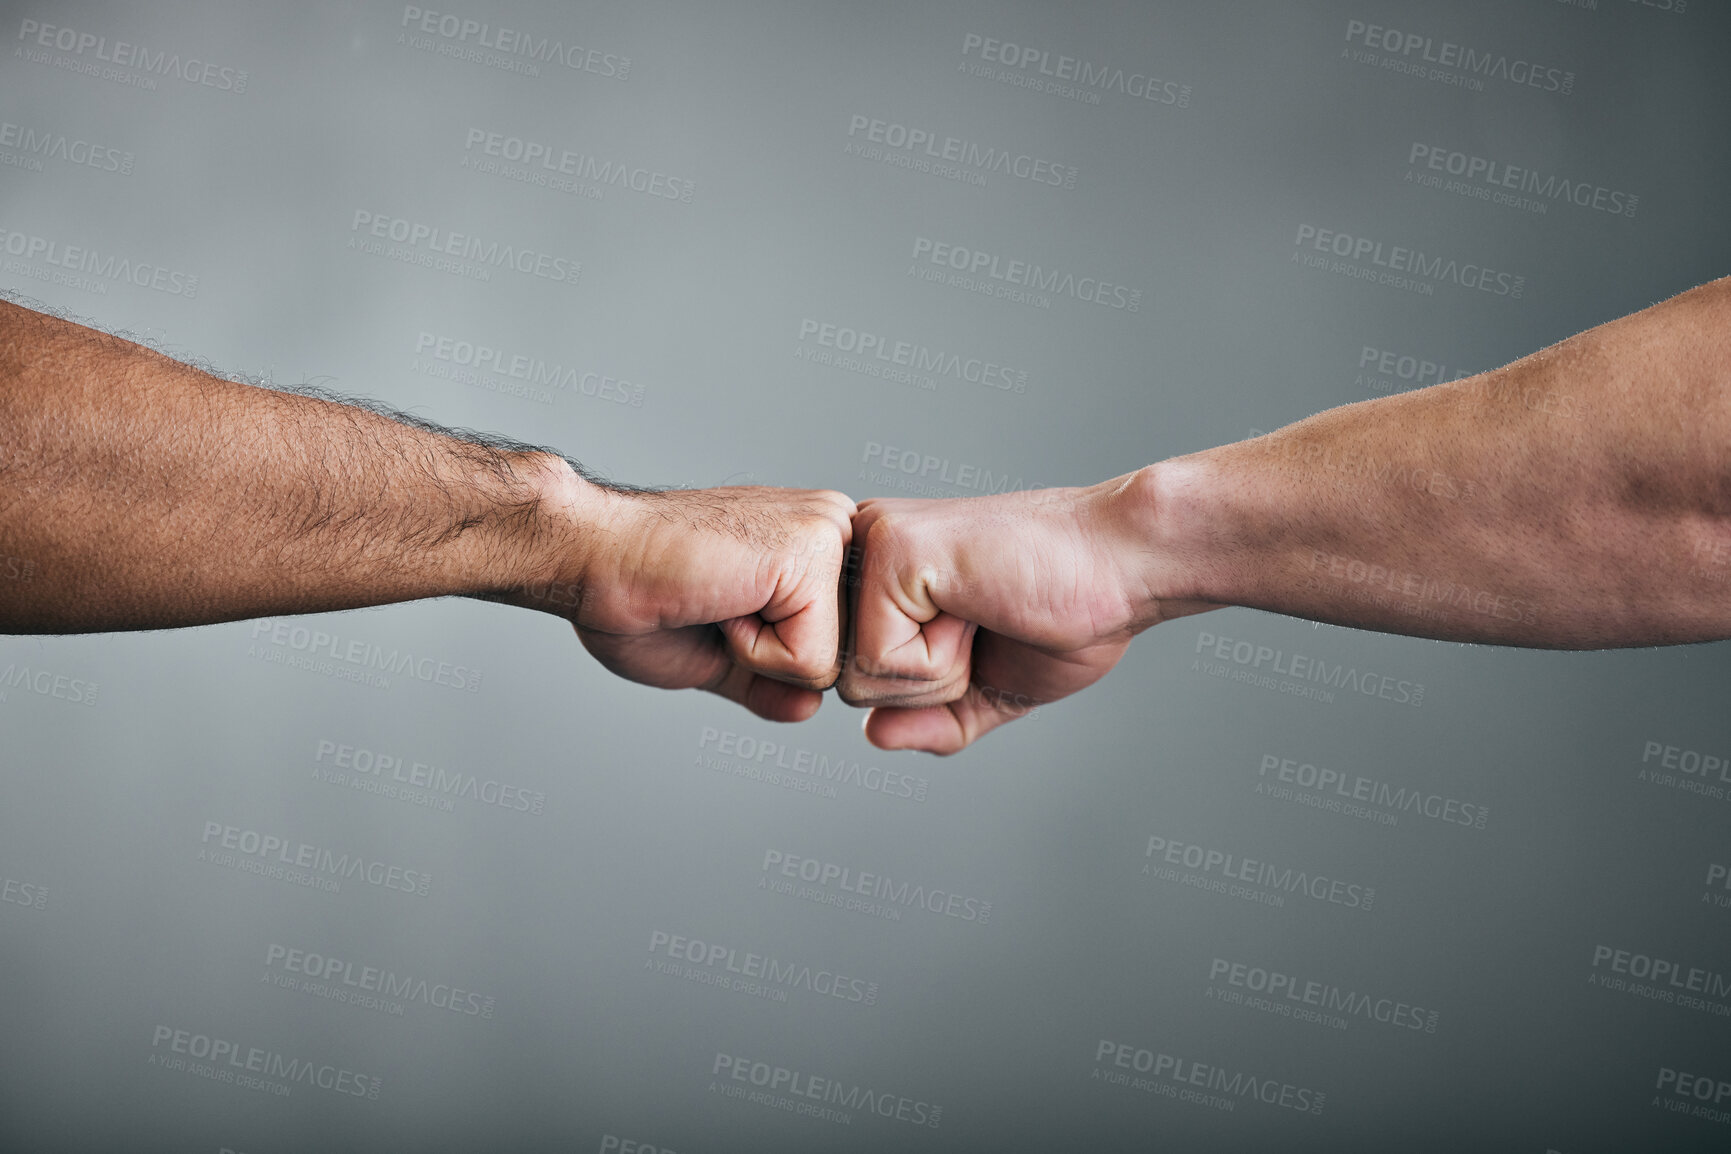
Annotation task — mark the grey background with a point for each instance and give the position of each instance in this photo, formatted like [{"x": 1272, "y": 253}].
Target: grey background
[{"x": 124, "y": 931}]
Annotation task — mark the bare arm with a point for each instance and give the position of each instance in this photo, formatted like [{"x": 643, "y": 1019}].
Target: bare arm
[
  {"x": 147, "y": 493},
  {"x": 144, "y": 493},
  {"x": 1578, "y": 498}
]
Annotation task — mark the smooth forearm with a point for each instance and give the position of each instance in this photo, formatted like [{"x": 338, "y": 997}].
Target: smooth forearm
[
  {"x": 146, "y": 493},
  {"x": 1578, "y": 498}
]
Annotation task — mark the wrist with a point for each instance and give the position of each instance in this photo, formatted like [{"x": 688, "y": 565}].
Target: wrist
[
  {"x": 555, "y": 554},
  {"x": 1166, "y": 529}
]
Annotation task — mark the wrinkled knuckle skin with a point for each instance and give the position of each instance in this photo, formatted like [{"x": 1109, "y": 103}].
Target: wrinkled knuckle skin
[
  {"x": 855, "y": 685},
  {"x": 861, "y": 667},
  {"x": 864, "y": 517},
  {"x": 865, "y": 681},
  {"x": 838, "y": 499},
  {"x": 816, "y": 674},
  {"x": 885, "y": 539},
  {"x": 851, "y": 694},
  {"x": 885, "y": 528}
]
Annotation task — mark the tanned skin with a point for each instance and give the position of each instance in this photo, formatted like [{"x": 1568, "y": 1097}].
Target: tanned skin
[
  {"x": 1577, "y": 498},
  {"x": 147, "y": 493}
]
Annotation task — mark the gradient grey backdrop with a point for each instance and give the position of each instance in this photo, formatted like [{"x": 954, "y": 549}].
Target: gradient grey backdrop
[{"x": 252, "y": 147}]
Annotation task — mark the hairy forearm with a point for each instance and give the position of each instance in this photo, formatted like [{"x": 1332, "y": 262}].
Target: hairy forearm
[
  {"x": 144, "y": 493},
  {"x": 1578, "y": 498}
]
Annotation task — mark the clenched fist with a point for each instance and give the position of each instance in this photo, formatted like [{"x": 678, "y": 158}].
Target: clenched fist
[
  {"x": 969, "y": 613},
  {"x": 733, "y": 590}
]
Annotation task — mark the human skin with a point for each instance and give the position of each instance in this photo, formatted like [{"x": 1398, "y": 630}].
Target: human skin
[
  {"x": 145, "y": 493},
  {"x": 1578, "y": 498}
]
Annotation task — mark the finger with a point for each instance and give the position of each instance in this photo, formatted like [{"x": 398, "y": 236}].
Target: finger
[
  {"x": 799, "y": 648},
  {"x": 869, "y": 680},
  {"x": 845, "y": 582},
  {"x": 770, "y": 699},
  {"x": 686, "y": 658},
  {"x": 942, "y": 729},
  {"x": 795, "y": 635},
  {"x": 1010, "y": 679},
  {"x": 696, "y": 658},
  {"x": 905, "y": 648}
]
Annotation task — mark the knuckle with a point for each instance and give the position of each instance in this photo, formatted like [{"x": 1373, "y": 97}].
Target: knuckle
[
  {"x": 813, "y": 667},
  {"x": 885, "y": 533},
  {"x": 868, "y": 680},
  {"x": 852, "y": 694},
  {"x": 866, "y": 666}
]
